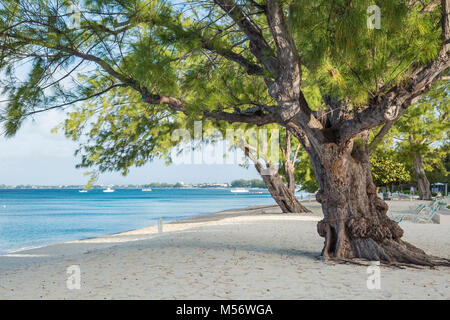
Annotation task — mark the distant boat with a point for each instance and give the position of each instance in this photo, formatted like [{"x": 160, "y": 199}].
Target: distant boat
[
  {"x": 146, "y": 190},
  {"x": 239, "y": 190},
  {"x": 109, "y": 190},
  {"x": 82, "y": 191}
]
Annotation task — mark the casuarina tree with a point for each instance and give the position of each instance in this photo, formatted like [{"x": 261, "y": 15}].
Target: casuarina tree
[
  {"x": 422, "y": 127},
  {"x": 328, "y": 71}
]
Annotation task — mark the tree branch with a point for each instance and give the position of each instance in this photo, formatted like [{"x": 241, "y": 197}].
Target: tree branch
[
  {"x": 288, "y": 145},
  {"x": 258, "y": 115},
  {"x": 286, "y": 88},
  {"x": 431, "y": 6},
  {"x": 242, "y": 143},
  {"x": 286, "y": 50},
  {"x": 252, "y": 68},
  {"x": 296, "y": 153},
  {"x": 389, "y": 106},
  {"x": 74, "y": 52},
  {"x": 380, "y": 135},
  {"x": 445, "y": 25},
  {"x": 75, "y": 101},
  {"x": 258, "y": 44}
]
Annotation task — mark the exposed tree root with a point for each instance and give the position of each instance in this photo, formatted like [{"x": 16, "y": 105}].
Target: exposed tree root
[
  {"x": 355, "y": 224},
  {"x": 405, "y": 253},
  {"x": 366, "y": 263},
  {"x": 394, "y": 253}
]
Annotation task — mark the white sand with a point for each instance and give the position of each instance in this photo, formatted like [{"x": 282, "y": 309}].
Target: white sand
[{"x": 230, "y": 255}]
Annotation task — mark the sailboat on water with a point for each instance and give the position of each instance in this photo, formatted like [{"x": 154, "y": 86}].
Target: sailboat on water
[{"x": 239, "y": 190}]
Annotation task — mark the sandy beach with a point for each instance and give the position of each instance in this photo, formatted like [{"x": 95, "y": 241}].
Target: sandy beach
[{"x": 254, "y": 253}]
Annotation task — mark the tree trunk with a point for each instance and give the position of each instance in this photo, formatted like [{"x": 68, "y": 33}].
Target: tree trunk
[
  {"x": 423, "y": 185},
  {"x": 289, "y": 174},
  {"x": 355, "y": 223},
  {"x": 282, "y": 195}
]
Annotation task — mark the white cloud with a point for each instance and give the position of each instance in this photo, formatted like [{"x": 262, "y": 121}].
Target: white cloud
[{"x": 35, "y": 139}]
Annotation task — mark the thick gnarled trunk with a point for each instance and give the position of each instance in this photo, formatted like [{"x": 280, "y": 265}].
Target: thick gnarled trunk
[
  {"x": 423, "y": 185},
  {"x": 355, "y": 223}
]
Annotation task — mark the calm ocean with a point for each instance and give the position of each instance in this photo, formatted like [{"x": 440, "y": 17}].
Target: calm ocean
[{"x": 33, "y": 218}]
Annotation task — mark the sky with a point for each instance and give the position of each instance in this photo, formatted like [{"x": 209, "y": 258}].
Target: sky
[{"x": 36, "y": 156}]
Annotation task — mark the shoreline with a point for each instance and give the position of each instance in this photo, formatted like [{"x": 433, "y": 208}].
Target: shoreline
[
  {"x": 17, "y": 244},
  {"x": 270, "y": 208},
  {"x": 21, "y": 250},
  {"x": 199, "y": 217},
  {"x": 248, "y": 253},
  {"x": 50, "y": 252}
]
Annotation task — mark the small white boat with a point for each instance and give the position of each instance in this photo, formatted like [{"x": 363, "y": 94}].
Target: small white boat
[
  {"x": 239, "y": 190},
  {"x": 146, "y": 190},
  {"x": 82, "y": 191},
  {"x": 109, "y": 190}
]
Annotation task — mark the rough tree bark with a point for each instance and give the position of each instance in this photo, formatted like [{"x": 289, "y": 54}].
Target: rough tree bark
[
  {"x": 355, "y": 223},
  {"x": 423, "y": 185}
]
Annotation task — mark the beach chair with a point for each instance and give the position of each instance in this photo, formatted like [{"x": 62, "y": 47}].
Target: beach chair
[
  {"x": 442, "y": 204},
  {"x": 418, "y": 209},
  {"x": 397, "y": 219},
  {"x": 427, "y": 213},
  {"x": 438, "y": 204}
]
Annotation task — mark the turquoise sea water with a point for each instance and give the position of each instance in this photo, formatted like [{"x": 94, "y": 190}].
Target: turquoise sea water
[{"x": 33, "y": 218}]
